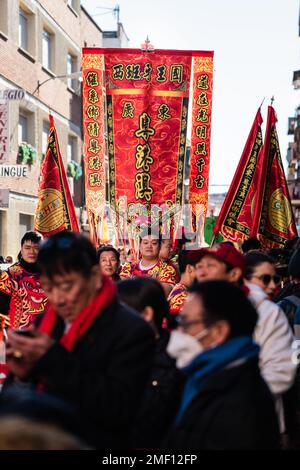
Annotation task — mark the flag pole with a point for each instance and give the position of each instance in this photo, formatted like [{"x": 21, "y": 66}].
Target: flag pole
[
  {"x": 262, "y": 102},
  {"x": 213, "y": 240}
]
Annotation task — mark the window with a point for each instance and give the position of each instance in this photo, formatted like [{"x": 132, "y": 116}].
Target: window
[
  {"x": 23, "y": 129},
  {"x": 71, "y": 68},
  {"x": 23, "y": 30},
  {"x": 25, "y": 224},
  {"x": 4, "y": 16},
  {"x": 73, "y": 4},
  {"x": 45, "y": 134},
  {"x": 47, "y": 50},
  {"x": 72, "y": 149}
]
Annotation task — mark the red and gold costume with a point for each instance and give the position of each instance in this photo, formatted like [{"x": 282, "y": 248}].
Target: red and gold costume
[
  {"x": 176, "y": 298},
  {"x": 27, "y": 298},
  {"x": 163, "y": 271}
]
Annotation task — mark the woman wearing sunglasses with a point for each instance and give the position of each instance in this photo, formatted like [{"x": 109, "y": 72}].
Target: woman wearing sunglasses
[{"x": 272, "y": 331}]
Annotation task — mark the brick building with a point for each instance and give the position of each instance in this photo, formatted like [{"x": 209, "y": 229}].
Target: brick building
[
  {"x": 293, "y": 152},
  {"x": 40, "y": 41}
]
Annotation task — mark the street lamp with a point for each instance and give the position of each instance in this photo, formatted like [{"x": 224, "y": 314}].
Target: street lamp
[{"x": 77, "y": 75}]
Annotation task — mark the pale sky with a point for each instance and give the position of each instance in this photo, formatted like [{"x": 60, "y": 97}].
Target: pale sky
[{"x": 256, "y": 48}]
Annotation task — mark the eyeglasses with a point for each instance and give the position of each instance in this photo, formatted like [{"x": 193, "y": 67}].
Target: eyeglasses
[
  {"x": 180, "y": 321},
  {"x": 267, "y": 278}
]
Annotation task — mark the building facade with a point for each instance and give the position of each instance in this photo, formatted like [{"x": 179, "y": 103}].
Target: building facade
[
  {"x": 293, "y": 152},
  {"x": 40, "y": 61}
]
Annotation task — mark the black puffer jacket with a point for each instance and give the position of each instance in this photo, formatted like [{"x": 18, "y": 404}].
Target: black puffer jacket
[{"x": 234, "y": 410}]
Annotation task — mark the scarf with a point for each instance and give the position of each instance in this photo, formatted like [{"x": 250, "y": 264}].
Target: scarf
[
  {"x": 85, "y": 318},
  {"x": 213, "y": 360},
  {"x": 29, "y": 267}
]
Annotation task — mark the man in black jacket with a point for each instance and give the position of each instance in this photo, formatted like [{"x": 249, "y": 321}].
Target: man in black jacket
[
  {"x": 225, "y": 403},
  {"x": 87, "y": 350}
]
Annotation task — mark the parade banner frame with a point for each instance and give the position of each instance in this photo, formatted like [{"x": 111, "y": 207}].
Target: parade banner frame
[{"x": 139, "y": 101}]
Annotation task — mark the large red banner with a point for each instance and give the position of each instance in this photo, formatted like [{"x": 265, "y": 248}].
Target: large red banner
[
  {"x": 235, "y": 220},
  {"x": 146, "y": 95},
  {"x": 273, "y": 220},
  {"x": 201, "y": 131}
]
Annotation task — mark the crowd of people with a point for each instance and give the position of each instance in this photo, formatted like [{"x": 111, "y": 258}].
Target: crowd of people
[{"x": 193, "y": 349}]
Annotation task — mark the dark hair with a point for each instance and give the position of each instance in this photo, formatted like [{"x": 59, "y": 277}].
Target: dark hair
[
  {"x": 140, "y": 292},
  {"x": 254, "y": 259},
  {"x": 105, "y": 249},
  {"x": 280, "y": 255},
  {"x": 291, "y": 243},
  {"x": 251, "y": 244},
  {"x": 184, "y": 260},
  {"x": 151, "y": 230},
  {"x": 223, "y": 300},
  {"x": 66, "y": 252},
  {"x": 32, "y": 237}
]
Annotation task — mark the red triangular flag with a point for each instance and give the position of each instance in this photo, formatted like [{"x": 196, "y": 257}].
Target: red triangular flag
[
  {"x": 55, "y": 210},
  {"x": 235, "y": 219},
  {"x": 273, "y": 220}
]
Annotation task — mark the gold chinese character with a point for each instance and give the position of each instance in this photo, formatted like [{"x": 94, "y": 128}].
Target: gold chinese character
[
  {"x": 94, "y": 163},
  {"x": 118, "y": 72},
  {"x": 199, "y": 181},
  {"x": 93, "y": 112},
  {"x": 144, "y": 131},
  {"x": 143, "y": 189},
  {"x": 147, "y": 71},
  {"x": 161, "y": 73},
  {"x": 201, "y": 149},
  {"x": 202, "y": 99},
  {"x": 93, "y": 129},
  {"x": 201, "y": 132},
  {"x": 143, "y": 157},
  {"x": 176, "y": 73},
  {"x": 163, "y": 112},
  {"x": 202, "y": 82},
  {"x": 92, "y": 79},
  {"x": 200, "y": 164},
  {"x": 128, "y": 109},
  {"x": 94, "y": 146},
  {"x": 133, "y": 72},
  {"x": 93, "y": 96},
  {"x": 202, "y": 115},
  {"x": 94, "y": 179}
]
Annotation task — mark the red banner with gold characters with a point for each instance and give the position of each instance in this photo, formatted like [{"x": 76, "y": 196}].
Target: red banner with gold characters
[
  {"x": 55, "y": 210},
  {"x": 273, "y": 221},
  {"x": 147, "y": 96},
  {"x": 235, "y": 220},
  {"x": 201, "y": 131},
  {"x": 94, "y": 143}
]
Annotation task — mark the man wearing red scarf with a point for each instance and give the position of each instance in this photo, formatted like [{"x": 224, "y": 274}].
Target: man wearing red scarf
[{"x": 87, "y": 350}]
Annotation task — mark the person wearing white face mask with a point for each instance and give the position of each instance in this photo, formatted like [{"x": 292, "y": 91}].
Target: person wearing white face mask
[{"x": 225, "y": 403}]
